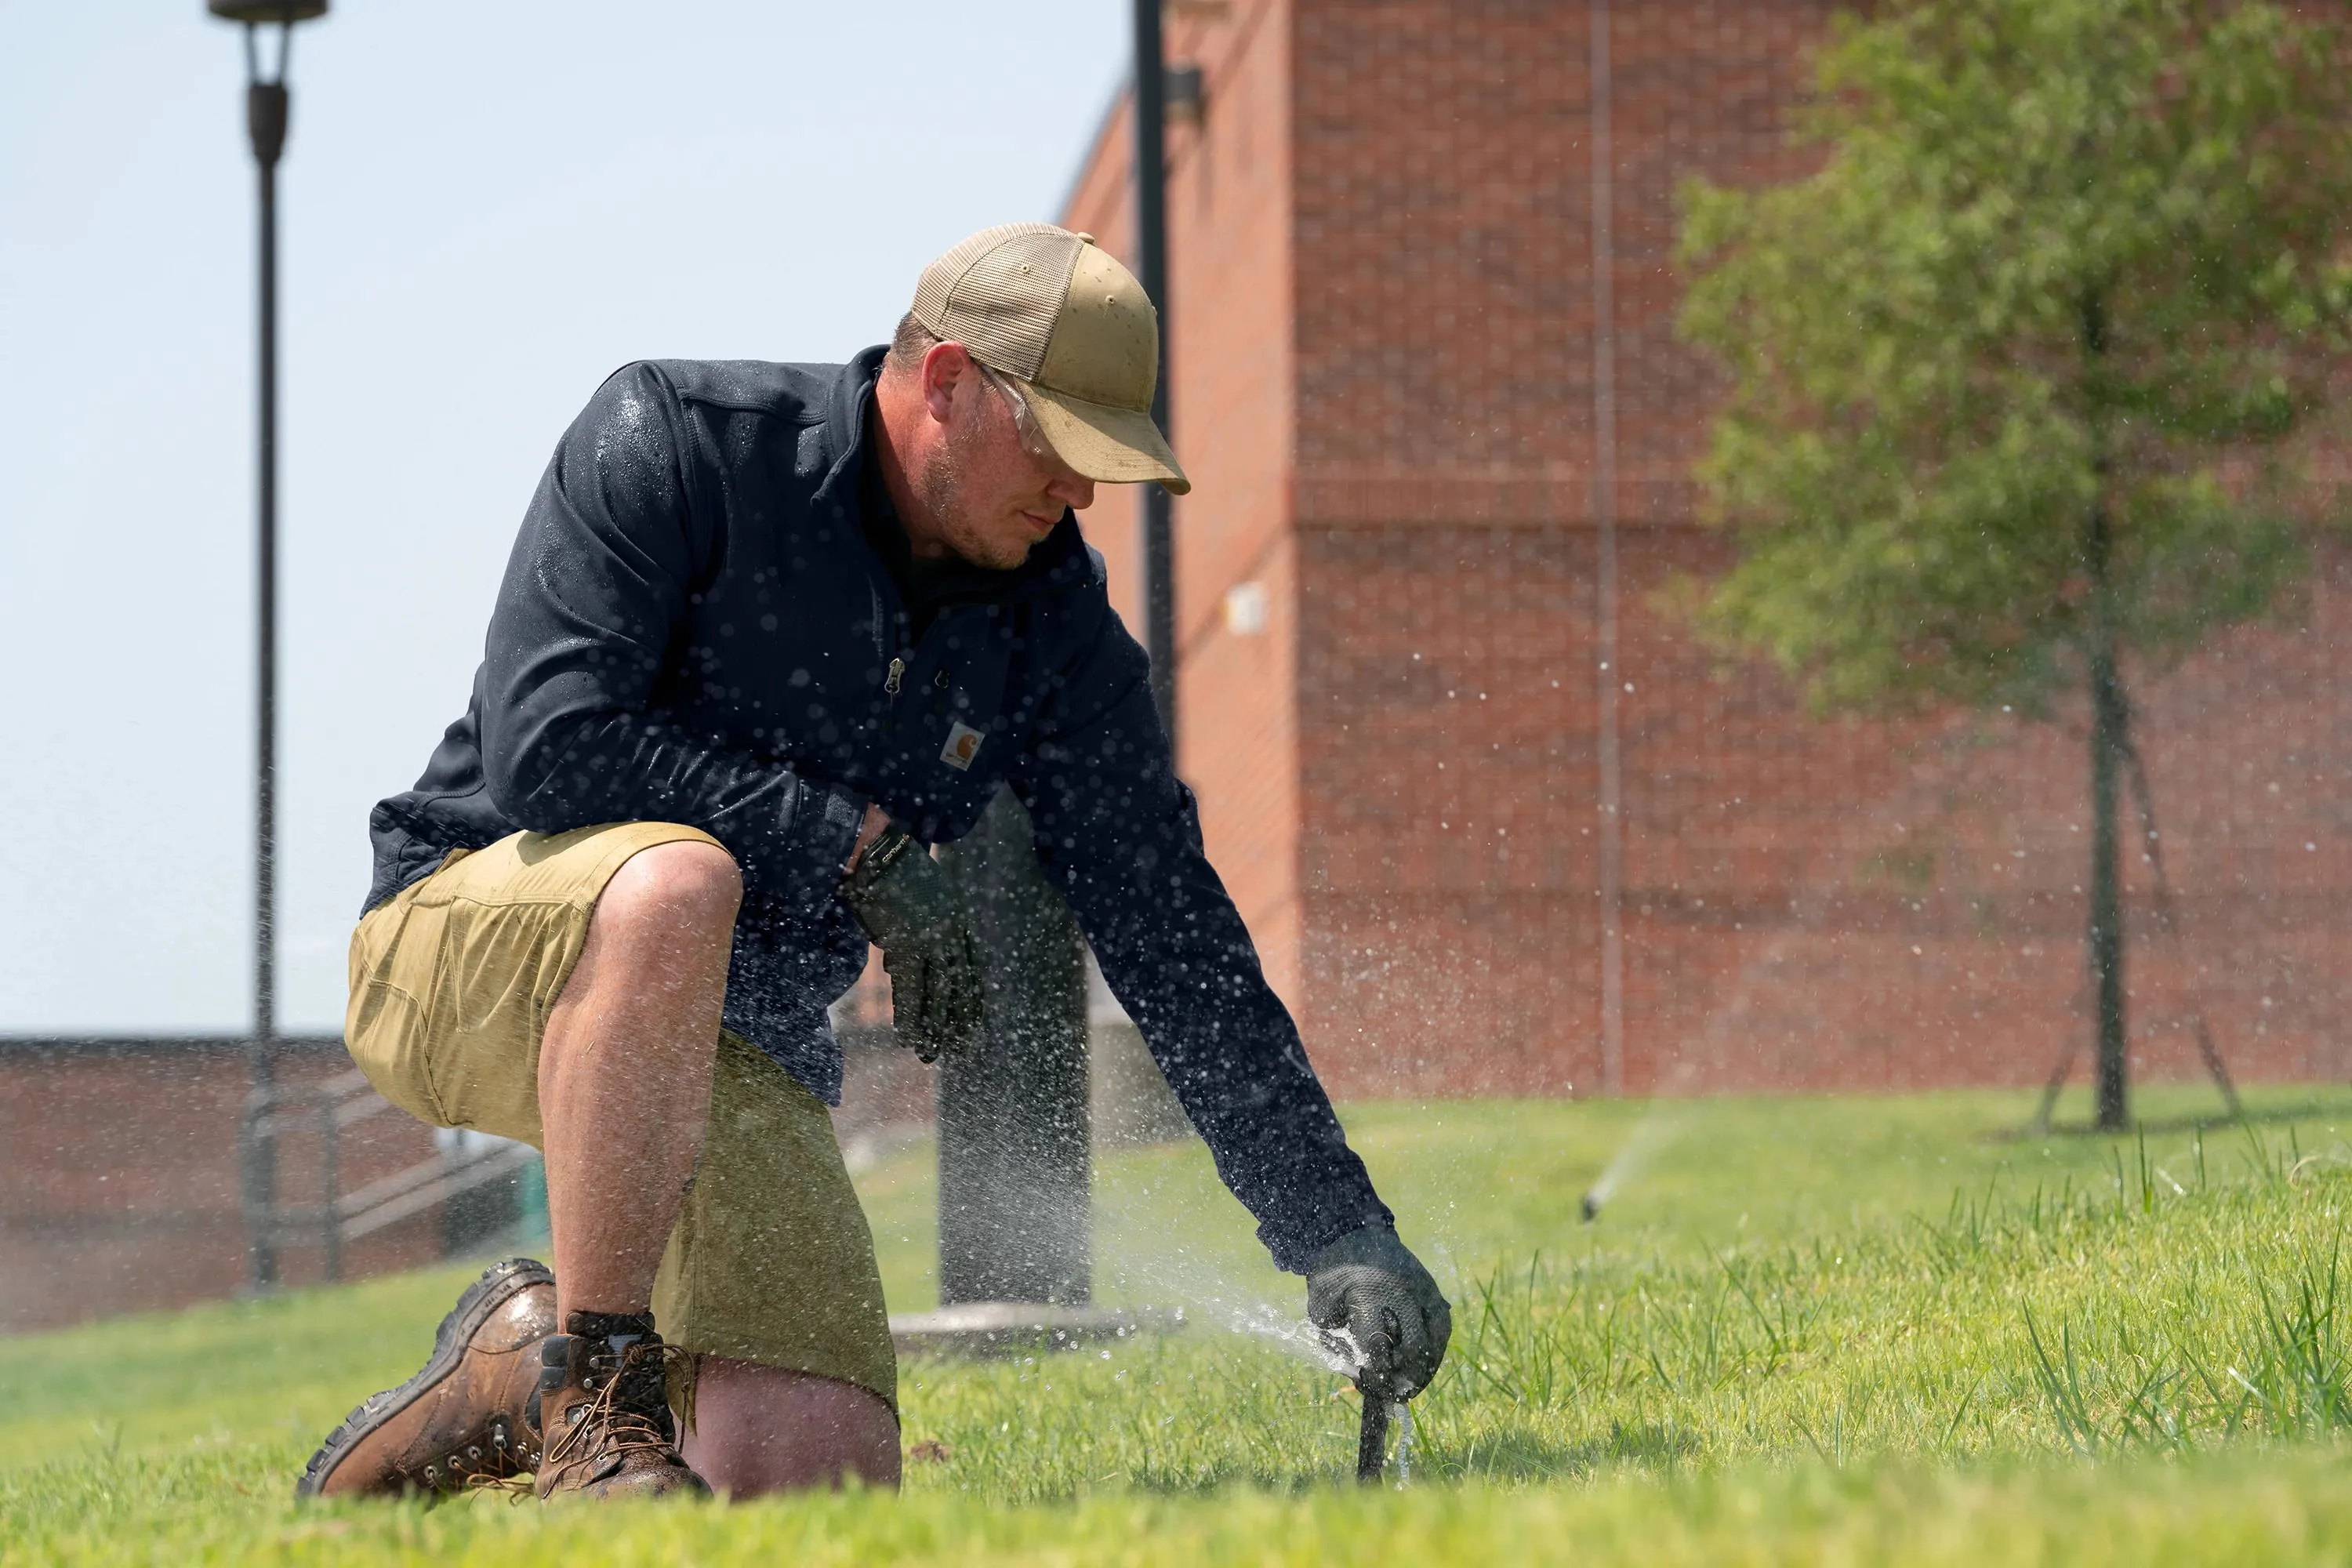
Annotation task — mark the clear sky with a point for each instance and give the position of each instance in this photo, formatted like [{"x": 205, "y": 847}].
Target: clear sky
[{"x": 485, "y": 209}]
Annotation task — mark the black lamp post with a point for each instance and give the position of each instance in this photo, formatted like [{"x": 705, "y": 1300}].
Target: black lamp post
[
  {"x": 1151, "y": 252},
  {"x": 1015, "y": 1140},
  {"x": 265, "y": 118}
]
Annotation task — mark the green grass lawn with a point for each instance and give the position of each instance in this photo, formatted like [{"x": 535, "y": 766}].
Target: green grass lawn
[{"x": 1803, "y": 1329}]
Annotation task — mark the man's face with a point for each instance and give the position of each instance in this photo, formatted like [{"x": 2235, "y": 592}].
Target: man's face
[{"x": 994, "y": 497}]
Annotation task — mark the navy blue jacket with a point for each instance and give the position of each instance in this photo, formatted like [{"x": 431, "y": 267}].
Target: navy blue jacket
[{"x": 694, "y": 627}]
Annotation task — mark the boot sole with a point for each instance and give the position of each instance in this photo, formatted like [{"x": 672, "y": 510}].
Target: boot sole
[{"x": 500, "y": 1284}]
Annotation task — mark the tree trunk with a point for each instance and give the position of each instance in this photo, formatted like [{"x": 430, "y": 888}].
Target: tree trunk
[
  {"x": 2106, "y": 936},
  {"x": 2110, "y": 715}
]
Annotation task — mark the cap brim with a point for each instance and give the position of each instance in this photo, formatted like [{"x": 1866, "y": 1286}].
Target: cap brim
[{"x": 1113, "y": 446}]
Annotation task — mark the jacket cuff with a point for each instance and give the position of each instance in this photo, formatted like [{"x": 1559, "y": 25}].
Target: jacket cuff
[{"x": 1295, "y": 1246}]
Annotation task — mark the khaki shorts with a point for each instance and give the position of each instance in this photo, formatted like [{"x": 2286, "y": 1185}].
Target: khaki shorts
[{"x": 451, "y": 985}]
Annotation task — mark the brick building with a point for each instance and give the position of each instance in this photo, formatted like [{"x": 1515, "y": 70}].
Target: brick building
[{"x": 1497, "y": 824}]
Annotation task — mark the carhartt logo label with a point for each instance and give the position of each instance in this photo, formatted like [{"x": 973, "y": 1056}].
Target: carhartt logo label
[{"x": 963, "y": 744}]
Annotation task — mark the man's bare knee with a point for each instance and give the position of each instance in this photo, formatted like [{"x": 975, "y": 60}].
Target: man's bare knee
[
  {"x": 659, "y": 936},
  {"x": 685, "y": 887},
  {"x": 760, "y": 1428}
]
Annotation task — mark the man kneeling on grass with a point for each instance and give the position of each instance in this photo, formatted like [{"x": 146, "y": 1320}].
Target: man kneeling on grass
[{"x": 769, "y": 630}]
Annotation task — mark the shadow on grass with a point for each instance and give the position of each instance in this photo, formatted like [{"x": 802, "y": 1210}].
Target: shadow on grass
[
  {"x": 2307, "y": 1110},
  {"x": 1510, "y": 1452},
  {"x": 1521, "y": 1454}
]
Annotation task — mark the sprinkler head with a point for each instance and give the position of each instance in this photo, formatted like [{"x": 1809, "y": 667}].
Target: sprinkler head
[
  {"x": 1590, "y": 1207},
  {"x": 1372, "y": 1439}
]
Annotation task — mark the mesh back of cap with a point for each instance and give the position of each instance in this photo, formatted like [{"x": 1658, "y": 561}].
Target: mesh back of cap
[{"x": 998, "y": 293}]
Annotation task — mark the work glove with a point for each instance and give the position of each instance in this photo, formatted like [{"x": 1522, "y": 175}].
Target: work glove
[
  {"x": 913, "y": 913},
  {"x": 1367, "y": 1287}
]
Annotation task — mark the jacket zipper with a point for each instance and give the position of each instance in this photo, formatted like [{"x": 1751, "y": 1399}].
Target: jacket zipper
[{"x": 891, "y": 682}]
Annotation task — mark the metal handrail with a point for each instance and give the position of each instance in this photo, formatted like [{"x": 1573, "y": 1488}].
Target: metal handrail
[
  {"x": 324, "y": 1110},
  {"x": 420, "y": 1186},
  {"x": 273, "y": 1111}
]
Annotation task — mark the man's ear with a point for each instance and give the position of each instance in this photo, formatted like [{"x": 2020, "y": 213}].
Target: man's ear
[{"x": 945, "y": 365}]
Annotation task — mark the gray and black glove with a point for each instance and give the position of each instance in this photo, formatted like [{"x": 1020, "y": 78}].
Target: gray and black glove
[
  {"x": 912, "y": 912},
  {"x": 1368, "y": 1286}
]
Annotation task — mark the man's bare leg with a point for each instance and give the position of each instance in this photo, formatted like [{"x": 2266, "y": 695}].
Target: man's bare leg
[
  {"x": 624, "y": 1069},
  {"x": 765, "y": 1428}
]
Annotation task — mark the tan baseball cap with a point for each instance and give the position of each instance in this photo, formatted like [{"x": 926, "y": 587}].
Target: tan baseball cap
[{"x": 1057, "y": 313}]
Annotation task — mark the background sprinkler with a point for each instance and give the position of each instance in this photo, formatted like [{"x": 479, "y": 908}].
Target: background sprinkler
[{"x": 1590, "y": 1207}]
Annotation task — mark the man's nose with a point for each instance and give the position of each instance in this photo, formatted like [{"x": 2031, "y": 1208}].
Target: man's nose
[{"x": 1073, "y": 490}]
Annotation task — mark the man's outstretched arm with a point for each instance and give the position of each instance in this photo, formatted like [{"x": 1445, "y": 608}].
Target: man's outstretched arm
[
  {"x": 1121, "y": 834},
  {"x": 597, "y": 581}
]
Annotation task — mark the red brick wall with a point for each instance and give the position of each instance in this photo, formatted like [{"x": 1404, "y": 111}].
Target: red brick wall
[
  {"x": 1443, "y": 318},
  {"x": 1445, "y": 761},
  {"x": 1384, "y": 379},
  {"x": 121, "y": 1180},
  {"x": 1808, "y": 903}
]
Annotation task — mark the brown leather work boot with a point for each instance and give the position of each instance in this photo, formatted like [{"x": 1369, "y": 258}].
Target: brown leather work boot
[
  {"x": 603, "y": 1403},
  {"x": 469, "y": 1416}
]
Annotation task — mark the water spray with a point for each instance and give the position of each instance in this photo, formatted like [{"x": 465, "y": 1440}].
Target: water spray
[
  {"x": 1660, "y": 1126},
  {"x": 1333, "y": 1350}
]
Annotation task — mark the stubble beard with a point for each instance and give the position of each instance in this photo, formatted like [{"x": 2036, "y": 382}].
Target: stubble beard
[{"x": 941, "y": 486}]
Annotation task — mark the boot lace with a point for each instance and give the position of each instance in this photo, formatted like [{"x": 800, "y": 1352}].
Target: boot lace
[{"x": 629, "y": 1413}]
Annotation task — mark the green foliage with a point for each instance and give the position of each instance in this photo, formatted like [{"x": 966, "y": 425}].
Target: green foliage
[
  {"x": 1779, "y": 1342},
  {"x": 2067, "y": 268}
]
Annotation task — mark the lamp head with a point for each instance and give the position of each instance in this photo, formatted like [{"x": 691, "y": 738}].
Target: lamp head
[{"x": 257, "y": 12}]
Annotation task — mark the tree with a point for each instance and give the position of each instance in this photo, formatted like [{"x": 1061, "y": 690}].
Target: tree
[{"x": 2019, "y": 375}]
